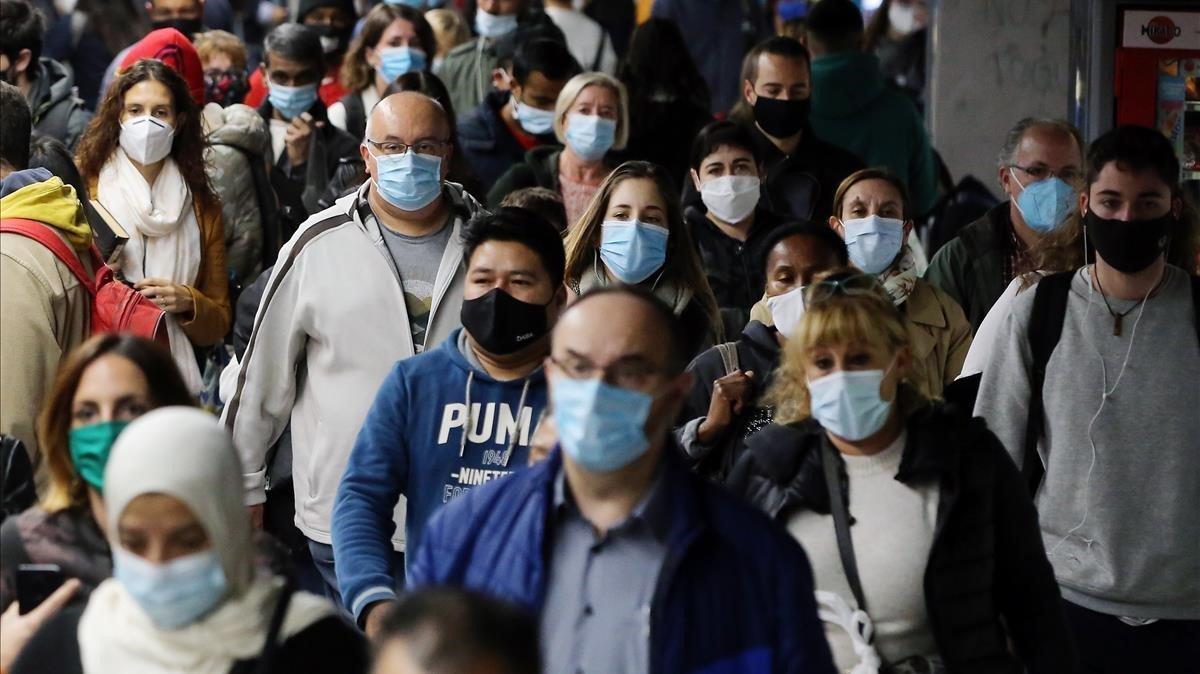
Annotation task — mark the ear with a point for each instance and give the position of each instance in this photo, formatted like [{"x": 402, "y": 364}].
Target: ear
[
  {"x": 24, "y": 61},
  {"x": 366, "y": 157},
  {"x": 908, "y": 227},
  {"x": 1005, "y": 177},
  {"x": 561, "y": 297},
  {"x": 836, "y": 225},
  {"x": 1083, "y": 203},
  {"x": 695, "y": 179},
  {"x": 500, "y": 80},
  {"x": 1177, "y": 207},
  {"x": 371, "y": 57},
  {"x": 748, "y": 92}
]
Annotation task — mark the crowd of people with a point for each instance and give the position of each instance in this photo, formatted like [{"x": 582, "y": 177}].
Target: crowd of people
[{"x": 523, "y": 336}]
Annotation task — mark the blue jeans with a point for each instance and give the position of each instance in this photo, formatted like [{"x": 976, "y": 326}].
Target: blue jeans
[{"x": 322, "y": 556}]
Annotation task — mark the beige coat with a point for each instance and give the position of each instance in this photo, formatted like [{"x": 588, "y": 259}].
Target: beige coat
[
  {"x": 940, "y": 336},
  {"x": 44, "y": 314}
]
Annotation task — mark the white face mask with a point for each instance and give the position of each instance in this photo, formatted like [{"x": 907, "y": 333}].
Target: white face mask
[
  {"x": 903, "y": 18},
  {"x": 731, "y": 198},
  {"x": 787, "y": 310},
  {"x": 146, "y": 139}
]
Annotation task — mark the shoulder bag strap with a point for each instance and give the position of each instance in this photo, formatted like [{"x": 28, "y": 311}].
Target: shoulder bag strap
[
  {"x": 44, "y": 235},
  {"x": 729, "y": 356},
  {"x": 841, "y": 522},
  {"x": 271, "y": 646},
  {"x": 1196, "y": 304}
]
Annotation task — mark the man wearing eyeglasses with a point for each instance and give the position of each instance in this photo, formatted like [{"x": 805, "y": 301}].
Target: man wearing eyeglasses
[
  {"x": 633, "y": 563},
  {"x": 1041, "y": 171},
  {"x": 372, "y": 280}
]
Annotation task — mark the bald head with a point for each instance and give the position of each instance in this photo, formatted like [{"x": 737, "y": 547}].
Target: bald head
[
  {"x": 621, "y": 322},
  {"x": 401, "y": 115}
]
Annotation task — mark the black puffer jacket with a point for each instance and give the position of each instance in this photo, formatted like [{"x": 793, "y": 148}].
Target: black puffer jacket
[{"x": 987, "y": 579}]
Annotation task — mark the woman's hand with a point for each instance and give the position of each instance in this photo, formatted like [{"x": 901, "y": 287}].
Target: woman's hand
[
  {"x": 170, "y": 297},
  {"x": 730, "y": 394},
  {"x": 16, "y": 630}
]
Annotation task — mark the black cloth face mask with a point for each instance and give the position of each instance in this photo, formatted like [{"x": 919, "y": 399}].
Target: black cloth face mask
[
  {"x": 189, "y": 27},
  {"x": 503, "y": 324},
  {"x": 782, "y": 118},
  {"x": 1129, "y": 246}
]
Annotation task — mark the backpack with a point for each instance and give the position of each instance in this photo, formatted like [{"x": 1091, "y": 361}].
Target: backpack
[
  {"x": 17, "y": 491},
  {"x": 1045, "y": 329},
  {"x": 116, "y": 306}
]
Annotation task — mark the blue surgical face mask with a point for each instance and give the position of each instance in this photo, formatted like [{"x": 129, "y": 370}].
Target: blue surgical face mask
[
  {"x": 534, "y": 120},
  {"x": 849, "y": 404},
  {"x": 395, "y": 61},
  {"x": 174, "y": 594},
  {"x": 600, "y": 426},
  {"x": 633, "y": 251},
  {"x": 590, "y": 136},
  {"x": 1045, "y": 204},
  {"x": 291, "y": 102},
  {"x": 409, "y": 181},
  {"x": 873, "y": 242},
  {"x": 494, "y": 25},
  {"x": 415, "y": 4}
]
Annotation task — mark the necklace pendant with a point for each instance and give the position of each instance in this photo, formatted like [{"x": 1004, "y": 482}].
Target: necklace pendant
[{"x": 1117, "y": 321}]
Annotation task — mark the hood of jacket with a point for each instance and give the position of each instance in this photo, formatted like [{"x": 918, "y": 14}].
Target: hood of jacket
[
  {"x": 54, "y": 83},
  {"x": 239, "y": 126},
  {"x": 453, "y": 346},
  {"x": 845, "y": 83},
  {"x": 50, "y": 202}
]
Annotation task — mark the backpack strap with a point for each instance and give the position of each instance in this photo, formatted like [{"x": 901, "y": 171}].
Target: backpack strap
[
  {"x": 1045, "y": 329},
  {"x": 44, "y": 234},
  {"x": 356, "y": 114},
  {"x": 599, "y": 49},
  {"x": 271, "y": 645},
  {"x": 729, "y": 356}
]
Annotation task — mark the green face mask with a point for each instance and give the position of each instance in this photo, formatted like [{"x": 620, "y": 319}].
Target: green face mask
[{"x": 90, "y": 446}]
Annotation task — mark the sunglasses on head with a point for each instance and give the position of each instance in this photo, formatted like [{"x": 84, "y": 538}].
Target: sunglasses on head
[{"x": 855, "y": 284}]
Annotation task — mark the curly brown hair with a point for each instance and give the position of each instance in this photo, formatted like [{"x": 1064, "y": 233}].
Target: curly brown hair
[
  {"x": 103, "y": 134},
  {"x": 356, "y": 73}
]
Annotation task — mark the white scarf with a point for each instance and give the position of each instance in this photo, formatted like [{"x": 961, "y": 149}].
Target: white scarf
[
  {"x": 164, "y": 238},
  {"x": 115, "y": 635}
]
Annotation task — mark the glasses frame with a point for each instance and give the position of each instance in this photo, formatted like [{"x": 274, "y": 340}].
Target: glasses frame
[{"x": 405, "y": 147}]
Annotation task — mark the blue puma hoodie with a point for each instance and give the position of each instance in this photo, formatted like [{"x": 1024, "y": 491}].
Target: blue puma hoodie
[{"x": 438, "y": 427}]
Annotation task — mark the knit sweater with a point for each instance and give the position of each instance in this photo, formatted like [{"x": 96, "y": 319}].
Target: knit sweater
[
  {"x": 892, "y": 534},
  {"x": 1119, "y": 499}
]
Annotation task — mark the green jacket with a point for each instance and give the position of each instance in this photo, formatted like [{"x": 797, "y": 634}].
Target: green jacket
[
  {"x": 467, "y": 73},
  {"x": 540, "y": 169},
  {"x": 970, "y": 268},
  {"x": 854, "y": 108}
]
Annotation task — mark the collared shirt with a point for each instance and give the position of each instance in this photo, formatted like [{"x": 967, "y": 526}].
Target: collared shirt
[
  {"x": 1017, "y": 261},
  {"x": 596, "y": 616}
]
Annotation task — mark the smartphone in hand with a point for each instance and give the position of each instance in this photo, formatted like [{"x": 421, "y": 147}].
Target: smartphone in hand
[{"x": 36, "y": 582}]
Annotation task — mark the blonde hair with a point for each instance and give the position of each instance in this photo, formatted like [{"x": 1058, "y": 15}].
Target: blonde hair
[
  {"x": 571, "y": 91},
  {"x": 866, "y": 318},
  {"x": 449, "y": 29},
  {"x": 213, "y": 42}
]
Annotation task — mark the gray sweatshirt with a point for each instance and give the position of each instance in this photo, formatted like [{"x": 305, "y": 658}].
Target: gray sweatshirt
[{"x": 1123, "y": 534}]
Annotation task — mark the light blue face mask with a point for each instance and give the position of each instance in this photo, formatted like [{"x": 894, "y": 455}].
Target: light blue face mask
[
  {"x": 1045, "y": 204},
  {"x": 494, "y": 25},
  {"x": 848, "y": 403},
  {"x": 873, "y": 242},
  {"x": 177, "y": 593},
  {"x": 291, "y": 102},
  {"x": 633, "y": 251},
  {"x": 600, "y": 426},
  {"x": 535, "y": 121},
  {"x": 415, "y": 4},
  {"x": 590, "y": 136},
  {"x": 409, "y": 181},
  {"x": 395, "y": 61}
]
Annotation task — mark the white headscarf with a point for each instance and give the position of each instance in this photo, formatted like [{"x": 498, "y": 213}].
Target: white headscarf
[{"x": 185, "y": 453}]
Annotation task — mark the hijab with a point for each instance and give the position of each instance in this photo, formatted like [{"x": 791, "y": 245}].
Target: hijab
[{"x": 185, "y": 453}]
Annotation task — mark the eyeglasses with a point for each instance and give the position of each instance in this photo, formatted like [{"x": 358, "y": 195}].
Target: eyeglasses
[
  {"x": 1070, "y": 175},
  {"x": 626, "y": 374},
  {"x": 857, "y": 284},
  {"x": 388, "y": 148}
]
